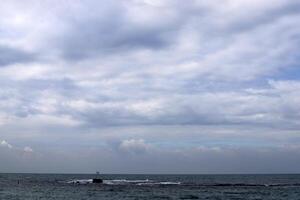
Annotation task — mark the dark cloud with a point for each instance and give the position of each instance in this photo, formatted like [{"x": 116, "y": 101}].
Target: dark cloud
[
  {"x": 107, "y": 28},
  {"x": 90, "y": 40},
  {"x": 10, "y": 55},
  {"x": 264, "y": 17},
  {"x": 108, "y": 32}
]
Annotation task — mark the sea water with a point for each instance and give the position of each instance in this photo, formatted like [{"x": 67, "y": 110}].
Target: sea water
[{"x": 80, "y": 186}]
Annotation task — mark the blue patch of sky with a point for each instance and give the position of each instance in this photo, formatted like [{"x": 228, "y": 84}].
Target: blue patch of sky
[{"x": 291, "y": 73}]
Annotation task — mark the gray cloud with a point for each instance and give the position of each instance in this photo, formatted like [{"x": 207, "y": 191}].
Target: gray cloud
[
  {"x": 109, "y": 27},
  {"x": 10, "y": 55},
  {"x": 192, "y": 83}
]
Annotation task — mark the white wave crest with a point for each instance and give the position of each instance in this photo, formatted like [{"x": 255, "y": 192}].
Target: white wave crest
[
  {"x": 145, "y": 182},
  {"x": 80, "y": 181},
  {"x": 160, "y": 183},
  {"x": 124, "y": 181}
]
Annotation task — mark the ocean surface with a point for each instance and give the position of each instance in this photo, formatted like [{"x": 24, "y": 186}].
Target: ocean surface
[{"x": 80, "y": 186}]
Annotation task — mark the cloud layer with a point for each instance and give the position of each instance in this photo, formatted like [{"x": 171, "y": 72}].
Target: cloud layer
[{"x": 150, "y": 77}]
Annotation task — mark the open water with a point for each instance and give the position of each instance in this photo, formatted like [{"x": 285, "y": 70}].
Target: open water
[{"x": 80, "y": 186}]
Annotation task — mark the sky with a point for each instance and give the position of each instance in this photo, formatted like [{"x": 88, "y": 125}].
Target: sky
[{"x": 150, "y": 86}]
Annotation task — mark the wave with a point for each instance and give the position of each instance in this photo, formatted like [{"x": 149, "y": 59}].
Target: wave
[
  {"x": 245, "y": 185},
  {"x": 138, "y": 182},
  {"x": 80, "y": 181},
  {"x": 124, "y": 181},
  {"x": 145, "y": 182},
  {"x": 160, "y": 183}
]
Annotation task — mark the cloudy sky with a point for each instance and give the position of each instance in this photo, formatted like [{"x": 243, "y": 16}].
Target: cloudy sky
[{"x": 150, "y": 86}]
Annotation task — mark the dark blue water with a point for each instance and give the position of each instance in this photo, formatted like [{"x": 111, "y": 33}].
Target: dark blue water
[{"x": 72, "y": 186}]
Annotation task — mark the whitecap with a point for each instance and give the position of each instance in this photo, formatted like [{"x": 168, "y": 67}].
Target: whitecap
[{"x": 80, "y": 181}]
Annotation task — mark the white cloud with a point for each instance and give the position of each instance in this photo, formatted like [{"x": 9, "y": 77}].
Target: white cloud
[
  {"x": 134, "y": 146},
  {"x": 28, "y": 149},
  {"x": 3, "y": 143}
]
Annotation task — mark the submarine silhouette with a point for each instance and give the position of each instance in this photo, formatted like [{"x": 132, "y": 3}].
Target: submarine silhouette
[{"x": 97, "y": 179}]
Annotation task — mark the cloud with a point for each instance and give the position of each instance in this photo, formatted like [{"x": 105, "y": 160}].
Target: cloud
[
  {"x": 3, "y": 143},
  {"x": 106, "y": 27},
  {"x": 10, "y": 56},
  {"x": 134, "y": 146},
  {"x": 196, "y": 78},
  {"x": 263, "y": 107},
  {"x": 28, "y": 149}
]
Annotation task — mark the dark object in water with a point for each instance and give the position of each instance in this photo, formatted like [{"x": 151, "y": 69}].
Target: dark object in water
[
  {"x": 189, "y": 197},
  {"x": 97, "y": 180}
]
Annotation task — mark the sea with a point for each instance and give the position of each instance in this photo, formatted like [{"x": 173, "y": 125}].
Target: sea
[{"x": 133, "y": 187}]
